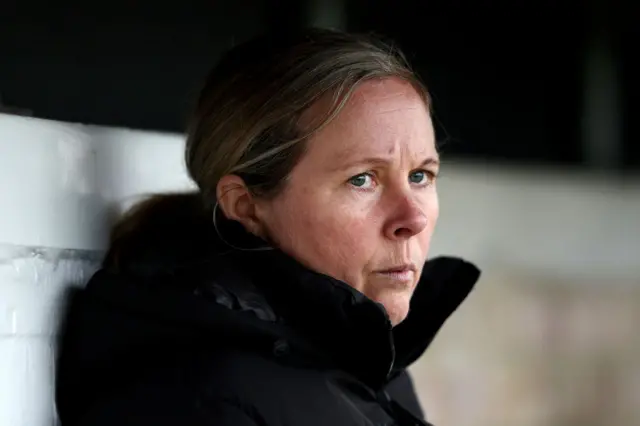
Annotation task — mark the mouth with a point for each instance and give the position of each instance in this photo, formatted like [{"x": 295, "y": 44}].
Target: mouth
[{"x": 405, "y": 272}]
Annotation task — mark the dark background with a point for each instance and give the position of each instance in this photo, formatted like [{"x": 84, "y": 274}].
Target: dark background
[{"x": 508, "y": 78}]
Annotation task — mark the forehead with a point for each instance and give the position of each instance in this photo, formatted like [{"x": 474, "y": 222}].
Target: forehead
[{"x": 382, "y": 117}]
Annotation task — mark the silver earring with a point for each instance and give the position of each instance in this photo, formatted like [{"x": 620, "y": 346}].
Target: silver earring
[{"x": 215, "y": 225}]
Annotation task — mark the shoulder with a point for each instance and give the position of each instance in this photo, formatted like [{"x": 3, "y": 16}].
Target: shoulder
[
  {"x": 147, "y": 405},
  {"x": 216, "y": 388}
]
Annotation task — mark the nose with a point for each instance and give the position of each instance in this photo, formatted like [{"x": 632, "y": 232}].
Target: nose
[{"x": 407, "y": 218}]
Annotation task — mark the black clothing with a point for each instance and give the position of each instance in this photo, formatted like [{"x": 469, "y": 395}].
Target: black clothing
[{"x": 242, "y": 338}]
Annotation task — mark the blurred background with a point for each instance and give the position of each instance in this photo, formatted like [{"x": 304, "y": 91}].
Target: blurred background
[{"x": 533, "y": 104}]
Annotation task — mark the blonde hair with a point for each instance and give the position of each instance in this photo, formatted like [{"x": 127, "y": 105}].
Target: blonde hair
[{"x": 246, "y": 119}]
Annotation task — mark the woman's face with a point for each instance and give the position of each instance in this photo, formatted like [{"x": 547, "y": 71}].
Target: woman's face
[{"x": 361, "y": 205}]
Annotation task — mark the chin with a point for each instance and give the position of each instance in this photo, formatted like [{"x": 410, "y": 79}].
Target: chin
[{"x": 397, "y": 307}]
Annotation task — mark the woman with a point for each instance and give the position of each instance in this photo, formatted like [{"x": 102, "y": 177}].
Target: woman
[{"x": 293, "y": 288}]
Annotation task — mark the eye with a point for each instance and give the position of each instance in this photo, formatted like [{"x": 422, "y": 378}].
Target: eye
[
  {"x": 422, "y": 177},
  {"x": 363, "y": 180}
]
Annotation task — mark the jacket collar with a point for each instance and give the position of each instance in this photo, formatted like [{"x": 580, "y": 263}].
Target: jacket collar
[
  {"x": 352, "y": 330},
  {"x": 269, "y": 294}
]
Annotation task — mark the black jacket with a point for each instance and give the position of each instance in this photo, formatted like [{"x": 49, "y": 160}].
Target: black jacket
[{"x": 244, "y": 339}]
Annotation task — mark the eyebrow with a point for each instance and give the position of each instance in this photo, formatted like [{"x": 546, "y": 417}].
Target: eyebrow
[{"x": 430, "y": 161}]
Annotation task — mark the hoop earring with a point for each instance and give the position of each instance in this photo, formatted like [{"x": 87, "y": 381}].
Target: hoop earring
[{"x": 215, "y": 225}]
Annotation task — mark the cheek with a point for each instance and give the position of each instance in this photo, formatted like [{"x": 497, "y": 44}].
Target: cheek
[{"x": 328, "y": 238}]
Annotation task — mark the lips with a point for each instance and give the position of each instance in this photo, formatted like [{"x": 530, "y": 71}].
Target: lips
[{"x": 404, "y": 272}]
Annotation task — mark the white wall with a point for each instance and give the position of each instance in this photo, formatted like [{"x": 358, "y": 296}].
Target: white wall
[
  {"x": 60, "y": 182},
  {"x": 551, "y": 221}
]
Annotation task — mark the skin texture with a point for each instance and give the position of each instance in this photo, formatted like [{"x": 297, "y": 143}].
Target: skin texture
[{"x": 361, "y": 205}]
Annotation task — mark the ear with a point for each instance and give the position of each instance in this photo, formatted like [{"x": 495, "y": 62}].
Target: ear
[{"x": 237, "y": 203}]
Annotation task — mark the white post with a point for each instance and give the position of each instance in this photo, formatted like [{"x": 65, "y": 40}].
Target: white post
[{"x": 60, "y": 181}]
